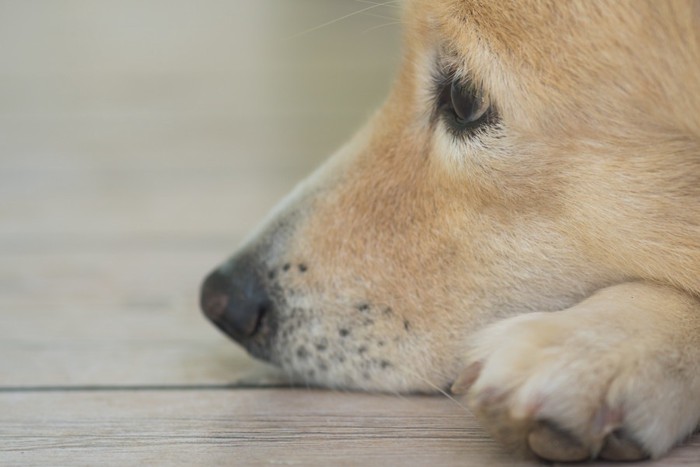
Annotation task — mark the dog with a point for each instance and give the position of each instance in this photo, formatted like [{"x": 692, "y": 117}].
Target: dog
[{"x": 519, "y": 221}]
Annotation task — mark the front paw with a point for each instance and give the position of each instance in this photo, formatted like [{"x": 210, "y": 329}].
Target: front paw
[{"x": 568, "y": 387}]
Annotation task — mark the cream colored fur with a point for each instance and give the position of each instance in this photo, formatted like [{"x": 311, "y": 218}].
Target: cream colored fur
[{"x": 554, "y": 261}]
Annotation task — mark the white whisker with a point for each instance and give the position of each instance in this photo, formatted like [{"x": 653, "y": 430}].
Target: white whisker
[
  {"x": 328, "y": 23},
  {"x": 441, "y": 391},
  {"x": 380, "y": 26},
  {"x": 391, "y": 4},
  {"x": 375, "y": 15}
]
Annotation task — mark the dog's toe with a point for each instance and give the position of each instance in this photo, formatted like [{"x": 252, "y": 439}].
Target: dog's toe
[
  {"x": 617, "y": 447},
  {"x": 550, "y": 443}
]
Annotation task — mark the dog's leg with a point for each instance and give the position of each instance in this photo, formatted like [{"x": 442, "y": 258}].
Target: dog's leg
[{"x": 616, "y": 376}]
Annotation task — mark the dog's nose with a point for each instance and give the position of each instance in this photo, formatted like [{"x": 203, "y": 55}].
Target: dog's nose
[{"x": 235, "y": 301}]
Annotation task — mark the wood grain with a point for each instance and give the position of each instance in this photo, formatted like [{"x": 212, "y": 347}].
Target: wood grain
[
  {"x": 241, "y": 427},
  {"x": 249, "y": 427}
]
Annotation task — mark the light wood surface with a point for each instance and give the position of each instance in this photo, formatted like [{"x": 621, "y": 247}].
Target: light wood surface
[
  {"x": 243, "y": 427},
  {"x": 139, "y": 141},
  {"x": 248, "y": 427}
]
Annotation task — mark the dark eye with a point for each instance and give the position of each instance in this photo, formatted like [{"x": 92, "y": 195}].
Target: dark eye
[{"x": 463, "y": 106}]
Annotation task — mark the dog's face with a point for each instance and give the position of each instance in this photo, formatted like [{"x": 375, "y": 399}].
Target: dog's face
[{"x": 529, "y": 154}]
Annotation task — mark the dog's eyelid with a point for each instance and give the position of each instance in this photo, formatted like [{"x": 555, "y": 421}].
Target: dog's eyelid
[
  {"x": 450, "y": 64},
  {"x": 460, "y": 103}
]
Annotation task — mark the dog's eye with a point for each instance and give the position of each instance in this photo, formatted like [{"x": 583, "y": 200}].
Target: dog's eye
[
  {"x": 462, "y": 105},
  {"x": 468, "y": 104}
]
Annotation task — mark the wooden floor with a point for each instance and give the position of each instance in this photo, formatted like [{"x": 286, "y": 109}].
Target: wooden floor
[{"x": 139, "y": 142}]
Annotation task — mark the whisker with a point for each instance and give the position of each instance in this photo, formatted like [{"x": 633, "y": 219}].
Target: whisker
[
  {"x": 328, "y": 23},
  {"x": 375, "y": 15},
  {"x": 380, "y": 26},
  {"x": 390, "y": 4},
  {"x": 440, "y": 390},
  {"x": 449, "y": 396}
]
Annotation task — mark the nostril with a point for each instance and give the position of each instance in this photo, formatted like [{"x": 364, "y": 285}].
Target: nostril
[
  {"x": 250, "y": 325},
  {"x": 262, "y": 311},
  {"x": 214, "y": 298},
  {"x": 214, "y": 305}
]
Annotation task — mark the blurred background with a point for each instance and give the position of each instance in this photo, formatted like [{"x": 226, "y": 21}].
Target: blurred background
[{"x": 140, "y": 140}]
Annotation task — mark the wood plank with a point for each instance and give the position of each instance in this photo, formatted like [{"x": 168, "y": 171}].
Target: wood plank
[
  {"x": 245, "y": 427},
  {"x": 263, "y": 427}
]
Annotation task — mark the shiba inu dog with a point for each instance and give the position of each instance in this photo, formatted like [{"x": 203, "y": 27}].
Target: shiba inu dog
[{"x": 520, "y": 221}]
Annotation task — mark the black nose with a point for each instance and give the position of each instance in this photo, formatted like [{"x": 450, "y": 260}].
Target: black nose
[{"x": 235, "y": 300}]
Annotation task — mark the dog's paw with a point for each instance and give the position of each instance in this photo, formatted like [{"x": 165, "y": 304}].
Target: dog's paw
[{"x": 568, "y": 387}]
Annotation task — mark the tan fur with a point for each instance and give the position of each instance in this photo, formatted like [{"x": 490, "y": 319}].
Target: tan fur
[{"x": 590, "y": 188}]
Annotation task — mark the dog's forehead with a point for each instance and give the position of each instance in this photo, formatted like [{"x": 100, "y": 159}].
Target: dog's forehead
[
  {"x": 468, "y": 25},
  {"x": 492, "y": 40},
  {"x": 549, "y": 36},
  {"x": 511, "y": 27}
]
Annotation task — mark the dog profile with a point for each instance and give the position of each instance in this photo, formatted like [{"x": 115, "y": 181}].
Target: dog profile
[{"x": 519, "y": 221}]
